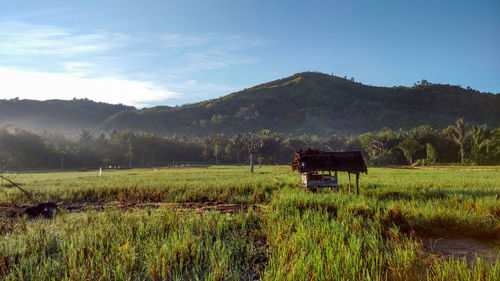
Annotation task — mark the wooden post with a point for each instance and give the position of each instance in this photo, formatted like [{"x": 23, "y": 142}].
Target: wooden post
[
  {"x": 337, "y": 187},
  {"x": 251, "y": 151},
  {"x": 251, "y": 162},
  {"x": 330, "y": 174},
  {"x": 357, "y": 183},
  {"x": 349, "y": 174}
]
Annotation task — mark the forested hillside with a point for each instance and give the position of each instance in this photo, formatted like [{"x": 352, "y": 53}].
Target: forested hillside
[
  {"x": 58, "y": 115},
  {"x": 319, "y": 104},
  {"x": 309, "y": 102}
]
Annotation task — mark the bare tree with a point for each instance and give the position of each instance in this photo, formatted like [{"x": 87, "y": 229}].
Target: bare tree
[{"x": 459, "y": 135}]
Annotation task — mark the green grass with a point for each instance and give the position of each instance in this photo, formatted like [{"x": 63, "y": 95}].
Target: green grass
[
  {"x": 225, "y": 183},
  {"x": 293, "y": 235},
  {"x": 163, "y": 245}
]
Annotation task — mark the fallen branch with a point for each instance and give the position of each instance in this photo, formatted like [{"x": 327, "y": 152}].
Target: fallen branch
[{"x": 22, "y": 189}]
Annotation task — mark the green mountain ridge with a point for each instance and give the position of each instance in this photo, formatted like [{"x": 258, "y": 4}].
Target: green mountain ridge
[
  {"x": 316, "y": 103},
  {"x": 304, "y": 103}
]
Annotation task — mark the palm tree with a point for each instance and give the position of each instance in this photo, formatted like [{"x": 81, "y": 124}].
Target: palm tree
[{"x": 459, "y": 135}]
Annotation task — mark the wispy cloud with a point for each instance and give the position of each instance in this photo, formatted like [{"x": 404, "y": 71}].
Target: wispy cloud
[
  {"x": 237, "y": 42},
  {"x": 176, "y": 40},
  {"x": 214, "y": 59},
  {"x": 22, "y": 39},
  {"x": 227, "y": 42},
  {"x": 49, "y": 61},
  {"x": 211, "y": 51}
]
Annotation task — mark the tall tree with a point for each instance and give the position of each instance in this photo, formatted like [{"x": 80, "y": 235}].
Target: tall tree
[
  {"x": 410, "y": 146},
  {"x": 431, "y": 152},
  {"x": 458, "y": 133}
]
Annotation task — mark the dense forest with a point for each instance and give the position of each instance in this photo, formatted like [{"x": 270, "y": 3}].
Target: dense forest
[
  {"x": 459, "y": 142},
  {"x": 304, "y": 103}
]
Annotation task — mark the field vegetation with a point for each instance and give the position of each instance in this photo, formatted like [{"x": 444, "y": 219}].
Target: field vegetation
[{"x": 279, "y": 232}]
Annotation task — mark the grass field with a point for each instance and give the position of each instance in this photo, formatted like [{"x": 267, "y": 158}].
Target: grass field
[{"x": 174, "y": 226}]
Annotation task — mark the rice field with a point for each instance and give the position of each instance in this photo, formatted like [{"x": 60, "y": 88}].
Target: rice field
[{"x": 223, "y": 223}]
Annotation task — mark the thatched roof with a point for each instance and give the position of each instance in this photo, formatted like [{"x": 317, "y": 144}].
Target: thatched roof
[{"x": 312, "y": 160}]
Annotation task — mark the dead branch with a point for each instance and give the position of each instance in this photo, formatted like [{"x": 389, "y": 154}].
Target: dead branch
[{"x": 22, "y": 189}]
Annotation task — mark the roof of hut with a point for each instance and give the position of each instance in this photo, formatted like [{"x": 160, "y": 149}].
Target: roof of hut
[{"x": 312, "y": 160}]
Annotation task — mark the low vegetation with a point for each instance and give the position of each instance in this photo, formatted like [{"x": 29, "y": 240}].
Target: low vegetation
[{"x": 283, "y": 233}]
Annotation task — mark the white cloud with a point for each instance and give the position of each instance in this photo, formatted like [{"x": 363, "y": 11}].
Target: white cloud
[
  {"x": 43, "y": 86},
  {"x": 78, "y": 68}
]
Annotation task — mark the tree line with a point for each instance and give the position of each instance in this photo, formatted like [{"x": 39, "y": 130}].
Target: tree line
[{"x": 26, "y": 150}]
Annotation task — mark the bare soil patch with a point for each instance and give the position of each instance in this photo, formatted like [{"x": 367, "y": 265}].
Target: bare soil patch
[
  {"x": 463, "y": 247},
  {"x": 12, "y": 211}
]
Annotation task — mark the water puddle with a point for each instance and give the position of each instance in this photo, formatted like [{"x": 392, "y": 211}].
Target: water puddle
[{"x": 468, "y": 248}]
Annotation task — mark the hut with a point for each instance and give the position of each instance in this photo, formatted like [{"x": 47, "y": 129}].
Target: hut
[{"x": 316, "y": 167}]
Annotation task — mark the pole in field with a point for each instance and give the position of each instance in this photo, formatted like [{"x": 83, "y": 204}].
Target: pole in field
[{"x": 251, "y": 152}]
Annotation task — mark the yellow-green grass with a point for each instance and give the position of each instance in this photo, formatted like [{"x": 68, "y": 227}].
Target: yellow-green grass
[
  {"x": 295, "y": 235},
  {"x": 225, "y": 183},
  {"x": 237, "y": 185},
  {"x": 145, "y": 245}
]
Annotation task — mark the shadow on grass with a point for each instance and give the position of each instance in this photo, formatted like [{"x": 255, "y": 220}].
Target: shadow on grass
[{"x": 430, "y": 194}]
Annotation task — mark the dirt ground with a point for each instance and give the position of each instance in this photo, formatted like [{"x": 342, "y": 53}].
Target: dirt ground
[{"x": 13, "y": 211}]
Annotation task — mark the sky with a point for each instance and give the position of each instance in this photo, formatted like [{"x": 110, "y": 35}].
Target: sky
[{"x": 146, "y": 53}]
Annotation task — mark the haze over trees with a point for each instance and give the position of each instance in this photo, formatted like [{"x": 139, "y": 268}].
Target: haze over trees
[{"x": 25, "y": 150}]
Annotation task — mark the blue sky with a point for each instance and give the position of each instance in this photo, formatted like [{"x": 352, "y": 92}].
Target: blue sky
[{"x": 147, "y": 53}]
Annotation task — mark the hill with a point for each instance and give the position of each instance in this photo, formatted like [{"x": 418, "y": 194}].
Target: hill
[
  {"x": 57, "y": 114},
  {"x": 317, "y": 103}
]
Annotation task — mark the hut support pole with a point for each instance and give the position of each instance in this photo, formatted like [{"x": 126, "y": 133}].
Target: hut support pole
[
  {"x": 336, "y": 178},
  {"x": 357, "y": 183},
  {"x": 349, "y": 174}
]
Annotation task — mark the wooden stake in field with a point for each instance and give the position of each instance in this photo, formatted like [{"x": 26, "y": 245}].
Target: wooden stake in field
[{"x": 251, "y": 150}]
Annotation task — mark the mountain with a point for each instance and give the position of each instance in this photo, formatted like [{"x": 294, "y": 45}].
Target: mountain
[
  {"x": 60, "y": 115},
  {"x": 317, "y": 103},
  {"x": 308, "y": 102}
]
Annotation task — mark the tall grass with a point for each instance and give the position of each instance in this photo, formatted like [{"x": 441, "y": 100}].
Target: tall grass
[
  {"x": 145, "y": 245},
  {"x": 331, "y": 236},
  {"x": 295, "y": 235}
]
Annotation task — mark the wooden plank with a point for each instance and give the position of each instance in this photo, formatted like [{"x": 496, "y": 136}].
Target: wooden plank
[{"x": 320, "y": 183}]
